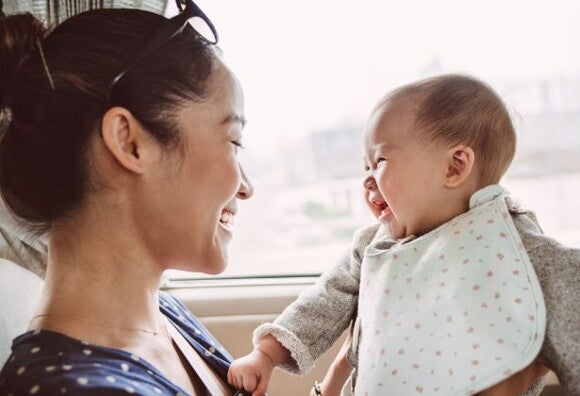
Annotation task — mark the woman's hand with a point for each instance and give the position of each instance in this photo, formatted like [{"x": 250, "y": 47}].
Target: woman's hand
[{"x": 252, "y": 372}]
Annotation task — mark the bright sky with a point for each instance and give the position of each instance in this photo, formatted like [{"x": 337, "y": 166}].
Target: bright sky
[{"x": 313, "y": 64}]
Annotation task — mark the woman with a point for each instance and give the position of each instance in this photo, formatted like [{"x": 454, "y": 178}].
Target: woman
[{"x": 124, "y": 145}]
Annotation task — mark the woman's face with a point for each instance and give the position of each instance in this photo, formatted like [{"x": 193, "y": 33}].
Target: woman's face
[{"x": 191, "y": 212}]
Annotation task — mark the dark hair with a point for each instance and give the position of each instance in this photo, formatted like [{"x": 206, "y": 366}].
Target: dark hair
[
  {"x": 52, "y": 106},
  {"x": 458, "y": 109}
]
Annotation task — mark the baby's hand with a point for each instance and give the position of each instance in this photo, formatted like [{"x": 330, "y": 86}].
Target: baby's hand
[{"x": 252, "y": 372}]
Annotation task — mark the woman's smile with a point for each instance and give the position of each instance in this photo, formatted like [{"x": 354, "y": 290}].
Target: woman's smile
[{"x": 226, "y": 221}]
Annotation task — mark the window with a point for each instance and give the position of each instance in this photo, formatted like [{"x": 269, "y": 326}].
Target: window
[{"x": 312, "y": 71}]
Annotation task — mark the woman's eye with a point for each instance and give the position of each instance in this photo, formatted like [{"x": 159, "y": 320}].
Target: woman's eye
[{"x": 237, "y": 144}]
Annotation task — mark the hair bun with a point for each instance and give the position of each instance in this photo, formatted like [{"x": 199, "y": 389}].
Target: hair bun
[{"x": 19, "y": 35}]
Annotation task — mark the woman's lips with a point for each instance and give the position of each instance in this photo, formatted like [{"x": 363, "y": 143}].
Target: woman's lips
[
  {"x": 226, "y": 221},
  {"x": 227, "y": 218}
]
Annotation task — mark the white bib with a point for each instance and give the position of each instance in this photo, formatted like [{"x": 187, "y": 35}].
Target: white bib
[{"x": 452, "y": 312}]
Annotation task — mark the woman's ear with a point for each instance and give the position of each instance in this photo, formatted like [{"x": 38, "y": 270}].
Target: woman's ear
[
  {"x": 460, "y": 161},
  {"x": 125, "y": 138}
]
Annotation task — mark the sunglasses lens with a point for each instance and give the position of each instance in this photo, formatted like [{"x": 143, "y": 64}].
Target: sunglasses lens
[{"x": 203, "y": 29}]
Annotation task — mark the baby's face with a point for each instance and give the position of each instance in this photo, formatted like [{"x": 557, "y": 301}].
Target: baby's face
[{"x": 404, "y": 174}]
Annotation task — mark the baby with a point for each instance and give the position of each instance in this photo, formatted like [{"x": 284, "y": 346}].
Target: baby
[{"x": 456, "y": 290}]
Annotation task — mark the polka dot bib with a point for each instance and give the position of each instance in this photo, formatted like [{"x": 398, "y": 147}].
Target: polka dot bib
[{"x": 452, "y": 312}]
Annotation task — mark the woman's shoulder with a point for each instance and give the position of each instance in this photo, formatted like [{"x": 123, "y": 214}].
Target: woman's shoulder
[
  {"x": 180, "y": 315},
  {"x": 49, "y": 363},
  {"x": 197, "y": 333},
  {"x": 174, "y": 307}
]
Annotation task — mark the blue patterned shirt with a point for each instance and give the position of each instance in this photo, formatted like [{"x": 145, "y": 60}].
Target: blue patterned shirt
[{"x": 44, "y": 362}]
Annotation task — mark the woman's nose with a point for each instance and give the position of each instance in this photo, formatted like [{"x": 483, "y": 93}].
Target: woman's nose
[{"x": 246, "y": 188}]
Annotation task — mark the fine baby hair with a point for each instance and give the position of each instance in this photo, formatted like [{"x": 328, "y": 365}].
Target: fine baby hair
[{"x": 458, "y": 109}]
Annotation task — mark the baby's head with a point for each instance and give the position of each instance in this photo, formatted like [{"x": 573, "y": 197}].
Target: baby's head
[{"x": 429, "y": 146}]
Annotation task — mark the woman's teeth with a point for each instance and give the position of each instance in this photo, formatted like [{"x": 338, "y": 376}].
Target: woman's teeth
[{"x": 227, "y": 218}]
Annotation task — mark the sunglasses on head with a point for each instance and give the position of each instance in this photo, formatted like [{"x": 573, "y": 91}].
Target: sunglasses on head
[{"x": 188, "y": 10}]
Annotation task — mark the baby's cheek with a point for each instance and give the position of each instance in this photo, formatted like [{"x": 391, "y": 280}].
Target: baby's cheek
[{"x": 372, "y": 208}]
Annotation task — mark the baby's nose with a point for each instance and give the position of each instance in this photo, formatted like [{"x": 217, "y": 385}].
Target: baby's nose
[{"x": 369, "y": 182}]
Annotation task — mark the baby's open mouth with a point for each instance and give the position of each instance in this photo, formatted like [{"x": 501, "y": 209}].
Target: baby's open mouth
[{"x": 382, "y": 206}]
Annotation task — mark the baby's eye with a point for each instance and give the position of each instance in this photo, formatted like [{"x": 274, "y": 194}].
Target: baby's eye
[{"x": 381, "y": 161}]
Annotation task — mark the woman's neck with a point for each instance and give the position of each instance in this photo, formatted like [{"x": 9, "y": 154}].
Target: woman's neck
[{"x": 101, "y": 282}]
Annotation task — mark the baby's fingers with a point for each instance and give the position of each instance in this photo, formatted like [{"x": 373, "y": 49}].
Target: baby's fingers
[
  {"x": 262, "y": 386},
  {"x": 249, "y": 382},
  {"x": 236, "y": 377},
  {"x": 232, "y": 380},
  {"x": 261, "y": 389}
]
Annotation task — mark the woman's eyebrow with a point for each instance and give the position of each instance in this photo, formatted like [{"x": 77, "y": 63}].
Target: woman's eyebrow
[{"x": 233, "y": 118}]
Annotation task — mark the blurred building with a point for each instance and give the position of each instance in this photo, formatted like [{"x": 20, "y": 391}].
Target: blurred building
[{"x": 337, "y": 152}]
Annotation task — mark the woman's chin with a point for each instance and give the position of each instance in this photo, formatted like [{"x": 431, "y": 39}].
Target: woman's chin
[
  {"x": 217, "y": 262},
  {"x": 216, "y": 269},
  {"x": 210, "y": 262}
]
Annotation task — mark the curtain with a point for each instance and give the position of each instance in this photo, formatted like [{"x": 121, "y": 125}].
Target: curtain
[{"x": 56, "y": 11}]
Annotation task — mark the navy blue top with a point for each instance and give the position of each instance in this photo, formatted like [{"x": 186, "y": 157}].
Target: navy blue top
[{"x": 45, "y": 362}]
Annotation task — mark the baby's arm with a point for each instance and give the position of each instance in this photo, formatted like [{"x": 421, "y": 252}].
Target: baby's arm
[
  {"x": 285, "y": 342},
  {"x": 338, "y": 372},
  {"x": 310, "y": 325},
  {"x": 558, "y": 270},
  {"x": 560, "y": 277}
]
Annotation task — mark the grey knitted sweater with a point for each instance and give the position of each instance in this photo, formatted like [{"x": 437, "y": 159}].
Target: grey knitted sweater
[{"x": 310, "y": 325}]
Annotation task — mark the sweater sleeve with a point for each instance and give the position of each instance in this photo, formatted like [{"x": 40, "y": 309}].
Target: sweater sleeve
[
  {"x": 558, "y": 271},
  {"x": 312, "y": 323}
]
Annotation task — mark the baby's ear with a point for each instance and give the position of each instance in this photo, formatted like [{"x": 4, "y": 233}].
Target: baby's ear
[{"x": 460, "y": 160}]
